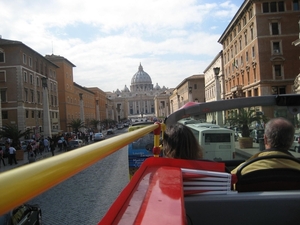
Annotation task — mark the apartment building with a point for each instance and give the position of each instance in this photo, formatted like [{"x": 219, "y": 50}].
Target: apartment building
[
  {"x": 100, "y": 103},
  {"x": 23, "y": 74},
  {"x": 191, "y": 89},
  {"x": 75, "y": 101},
  {"x": 214, "y": 87},
  {"x": 258, "y": 55}
]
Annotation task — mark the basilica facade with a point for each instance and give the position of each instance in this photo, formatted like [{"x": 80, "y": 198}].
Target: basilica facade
[{"x": 142, "y": 100}]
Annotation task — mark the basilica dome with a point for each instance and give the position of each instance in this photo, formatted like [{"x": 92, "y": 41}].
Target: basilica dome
[{"x": 141, "y": 77}]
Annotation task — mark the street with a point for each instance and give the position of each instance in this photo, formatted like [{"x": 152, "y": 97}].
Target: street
[{"x": 85, "y": 197}]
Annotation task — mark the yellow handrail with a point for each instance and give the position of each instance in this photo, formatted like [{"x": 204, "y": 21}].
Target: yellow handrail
[{"x": 24, "y": 183}]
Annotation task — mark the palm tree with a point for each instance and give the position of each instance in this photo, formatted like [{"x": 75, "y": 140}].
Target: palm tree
[
  {"x": 94, "y": 123},
  {"x": 76, "y": 124},
  {"x": 243, "y": 118},
  {"x": 13, "y": 132},
  {"x": 108, "y": 122}
]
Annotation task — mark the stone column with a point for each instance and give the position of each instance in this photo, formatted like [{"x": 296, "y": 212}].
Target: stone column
[
  {"x": 46, "y": 113},
  {"x": 81, "y": 107}
]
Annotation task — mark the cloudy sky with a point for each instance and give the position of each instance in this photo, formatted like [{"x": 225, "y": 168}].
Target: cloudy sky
[{"x": 108, "y": 39}]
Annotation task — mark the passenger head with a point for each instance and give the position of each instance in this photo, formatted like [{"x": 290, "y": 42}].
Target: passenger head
[
  {"x": 180, "y": 143},
  {"x": 279, "y": 134}
]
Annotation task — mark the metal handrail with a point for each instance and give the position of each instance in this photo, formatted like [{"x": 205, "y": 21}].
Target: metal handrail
[{"x": 26, "y": 182}]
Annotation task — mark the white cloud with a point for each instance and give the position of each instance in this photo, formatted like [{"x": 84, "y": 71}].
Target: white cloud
[{"x": 107, "y": 40}]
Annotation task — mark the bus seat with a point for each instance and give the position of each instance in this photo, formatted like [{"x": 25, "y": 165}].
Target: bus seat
[{"x": 274, "y": 179}]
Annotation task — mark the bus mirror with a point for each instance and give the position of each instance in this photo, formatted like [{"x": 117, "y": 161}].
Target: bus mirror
[{"x": 294, "y": 109}]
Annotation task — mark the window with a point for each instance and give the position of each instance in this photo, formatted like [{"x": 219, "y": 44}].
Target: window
[
  {"x": 278, "y": 90},
  {"x": 274, "y": 28},
  {"x": 240, "y": 42},
  {"x": 3, "y": 95},
  {"x": 26, "y": 113},
  {"x": 26, "y": 95},
  {"x": 244, "y": 21},
  {"x": 273, "y": 7},
  {"x": 239, "y": 27},
  {"x": 253, "y": 52},
  {"x": 2, "y": 57},
  {"x": 24, "y": 59},
  {"x": 235, "y": 48},
  {"x": 38, "y": 97},
  {"x": 251, "y": 33},
  {"x": 39, "y": 114},
  {"x": 247, "y": 57},
  {"x": 25, "y": 76},
  {"x": 30, "y": 61},
  {"x": 195, "y": 86},
  {"x": 2, "y": 76},
  {"x": 295, "y": 7},
  {"x": 5, "y": 115},
  {"x": 31, "y": 96},
  {"x": 276, "y": 47},
  {"x": 32, "y": 114},
  {"x": 245, "y": 35},
  {"x": 250, "y": 13},
  {"x": 31, "y": 78},
  {"x": 277, "y": 70}
]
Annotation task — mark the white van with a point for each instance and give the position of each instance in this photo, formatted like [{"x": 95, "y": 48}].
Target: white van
[{"x": 218, "y": 143}]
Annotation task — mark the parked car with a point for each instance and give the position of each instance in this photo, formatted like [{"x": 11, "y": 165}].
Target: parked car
[
  {"x": 256, "y": 134},
  {"x": 109, "y": 131},
  {"x": 120, "y": 126},
  {"x": 294, "y": 146},
  {"x": 98, "y": 137},
  {"x": 75, "y": 144},
  {"x": 25, "y": 214}
]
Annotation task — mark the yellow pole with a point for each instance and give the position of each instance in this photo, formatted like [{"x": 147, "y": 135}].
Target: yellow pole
[{"x": 26, "y": 182}]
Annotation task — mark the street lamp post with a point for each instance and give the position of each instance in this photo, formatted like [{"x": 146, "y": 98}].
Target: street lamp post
[
  {"x": 218, "y": 95},
  {"x": 46, "y": 113},
  {"x": 190, "y": 94}
]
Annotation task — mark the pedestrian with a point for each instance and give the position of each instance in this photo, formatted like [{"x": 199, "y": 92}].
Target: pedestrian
[
  {"x": 52, "y": 147},
  {"x": 29, "y": 147},
  {"x": 2, "y": 157},
  {"x": 11, "y": 153},
  {"x": 46, "y": 145},
  {"x": 60, "y": 144},
  {"x": 31, "y": 158}
]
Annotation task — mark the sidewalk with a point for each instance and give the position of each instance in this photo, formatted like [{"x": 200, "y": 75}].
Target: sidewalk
[
  {"x": 25, "y": 160},
  {"x": 248, "y": 152}
]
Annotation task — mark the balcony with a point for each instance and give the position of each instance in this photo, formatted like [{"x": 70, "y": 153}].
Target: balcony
[{"x": 236, "y": 88}]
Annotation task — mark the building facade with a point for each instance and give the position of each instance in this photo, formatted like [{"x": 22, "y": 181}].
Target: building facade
[
  {"x": 257, "y": 53},
  {"x": 75, "y": 101},
  {"x": 191, "y": 89},
  {"x": 138, "y": 102},
  {"x": 22, "y": 71},
  {"x": 214, "y": 87}
]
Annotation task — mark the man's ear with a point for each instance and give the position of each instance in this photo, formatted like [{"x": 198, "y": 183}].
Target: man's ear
[{"x": 265, "y": 140}]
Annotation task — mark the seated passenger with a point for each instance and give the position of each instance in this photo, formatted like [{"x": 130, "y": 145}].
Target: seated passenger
[
  {"x": 180, "y": 143},
  {"x": 278, "y": 137}
]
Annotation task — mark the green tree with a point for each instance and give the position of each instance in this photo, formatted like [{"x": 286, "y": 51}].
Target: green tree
[
  {"x": 76, "y": 124},
  {"x": 12, "y": 132},
  {"x": 94, "y": 123},
  {"x": 243, "y": 118},
  {"x": 108, "y": 122}
]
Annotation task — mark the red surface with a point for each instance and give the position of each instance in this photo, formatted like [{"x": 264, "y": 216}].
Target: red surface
[{"x": 155, "y": 193}]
